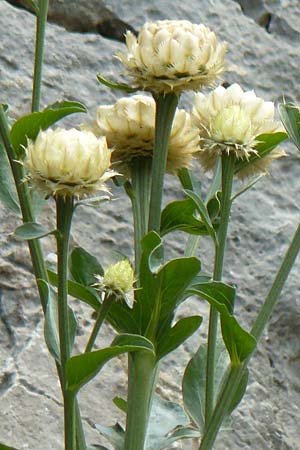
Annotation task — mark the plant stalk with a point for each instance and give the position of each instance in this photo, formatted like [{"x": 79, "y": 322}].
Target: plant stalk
[
  {"x": 41, "y": 21},
  {"x": 64, "y": 210},
  {"x": 227, "y": 181},
  {"x": 142, "y": 370},
  {"x": 166, "y": 105}
]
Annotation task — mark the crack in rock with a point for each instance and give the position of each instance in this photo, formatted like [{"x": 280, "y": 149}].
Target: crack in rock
[
  {"x": 35, "y": 390},
  {"x": 91, "y": 17}
]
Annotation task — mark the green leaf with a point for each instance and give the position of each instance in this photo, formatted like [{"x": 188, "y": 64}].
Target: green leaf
[
  {"x": 115, "y": 435},
  {"x": 82, "y": 368},
  {"x": 5, "y": 447},
  {"x": 189, "y": 181},
  {"x": 117, "y": 86},
  {"x": 32, "y": 5},
  {"x": 194, "y": 382},
  {"x": 31, "y": 230},
  {"x": 267, "y": 143},
  {"x": 120, "y": 403},
  {"x": 51, "y": 332},
  {"x": 84, "y": 267},
  {"x": 86, "y": 294},
  {"x": 176, "y": 335},
  {"x": 240, "y": 392},
  {"x": 216, "y": 290},
  {"x": 28, "y": 127},
  {"x": 8, "y": 193},
  {"x": 290, "y": 117},
  {"x": 202, "y": 209},
  {"x": 214, "y": 205},
  {"x": 180, "y": 215}
]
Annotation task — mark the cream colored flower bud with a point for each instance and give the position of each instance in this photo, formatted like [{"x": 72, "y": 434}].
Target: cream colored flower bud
[
  {"x": 119, "y": 278},
  {"x": 230, "y": 120},
  {"x": 173, "y": 55},
  {"x": 129, "y": 127},
  {"x": 68, "y": 162}
]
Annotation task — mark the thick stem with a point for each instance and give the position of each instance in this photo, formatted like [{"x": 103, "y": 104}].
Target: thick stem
[
  {"x": 102, "y": 313},
  {"x": 142, "y": 370},
  {"x": 35, "y": 249},
  {"x": 64, "y": 210},
  {"x": 227, "y": 180},
  {"x": 141, "y": 183},
  {"x": 166, "y": 105},
  {"x": 41, "y": 21}
]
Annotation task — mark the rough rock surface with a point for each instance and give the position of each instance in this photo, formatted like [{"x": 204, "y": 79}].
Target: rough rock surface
[{"x": 263, "y": 221}]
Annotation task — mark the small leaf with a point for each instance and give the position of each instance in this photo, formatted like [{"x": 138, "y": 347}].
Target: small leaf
[
  {"x": 120, "y": 403},
  {"x": 32, "y": 5},
  {"x": 290, "y": 117},
  {"x": 31, "y": 230},
  {"x": 214, "y": 205},
  {"x": 117, "y": 86},
  {"x": 84, "y": 293},
  {"x": 8, "y": 193},
  {"x": 28, "y": 127},
  {"x": 176, "y": 335},
  {"x": 82, "y": 368},
  {"x": 84, "y": 267},
  {"x": 115, "y": 435},
  {"x": 51, "y": 328},
  {"x": 189, "y": 181},
  {"x": 180, "y": 215},
  {"x": 203, "y": 213}
]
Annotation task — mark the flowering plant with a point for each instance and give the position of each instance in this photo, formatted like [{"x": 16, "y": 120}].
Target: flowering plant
[{"x": 135, "y": 142}]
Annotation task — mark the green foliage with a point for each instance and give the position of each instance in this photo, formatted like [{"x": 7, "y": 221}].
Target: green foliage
[
  {"x": 28, "y": 127},
  {"x": 5, "y": 447},
  {"x": 116, "y": 86},
  {"x": 84, "y": 267},
  {"x": 290, "y": 117},
  {"x": 204, "y": 214},
  {"x": 31, "y": 230},
  {"x": 8, "y": 193},
  {"x": 82, "y": 368}
]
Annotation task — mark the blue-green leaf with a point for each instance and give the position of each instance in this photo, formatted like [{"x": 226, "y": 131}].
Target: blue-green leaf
[
  {"x": 28, "y": 127},
  {"x": 290, "y": 117},
  {"x": 82, "y": 368},
  {"x": 115, "y": 435},
  {"x": 31, "y": 230}
]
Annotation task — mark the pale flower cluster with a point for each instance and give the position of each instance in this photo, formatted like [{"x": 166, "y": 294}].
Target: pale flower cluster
[
  {"x": 68, "y": 162},
  {"x": 172, "y": 56},
  {"x": 232, "y": 120},
  {"x": 119, "y": 278},
  {"x": 129, "y": 127}
]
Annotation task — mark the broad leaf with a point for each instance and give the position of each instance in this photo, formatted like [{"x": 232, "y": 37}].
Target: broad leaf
[
  {"x": 194, "y": 382},
  {"x": 82, "y": 368},
  {"x": 221, "y": 292},
  {"x": 202, "y": 209},
  {"x": 86, "y": 294},
  {"x": 115, "y": 435},
  {"x": 51, "y": 328},
  {"x": 180, "y": 215},
  {"x": 176, "y": 335},
  {"x": 31, "y": 230},
  {"x": 290, "y": 117},
  {"x": 84, "y": 267},
  {"x": 8, "y": 193},
  {"x": 28, "y": 127}
]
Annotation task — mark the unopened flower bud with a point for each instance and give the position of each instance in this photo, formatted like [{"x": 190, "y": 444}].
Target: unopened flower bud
[{"x": 119, "y": 278}]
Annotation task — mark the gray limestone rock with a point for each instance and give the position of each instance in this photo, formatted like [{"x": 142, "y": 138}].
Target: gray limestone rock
[{"x": 263, "y": 221}]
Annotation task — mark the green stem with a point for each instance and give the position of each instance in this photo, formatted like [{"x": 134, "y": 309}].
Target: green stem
[
  {"x": 64, "y": 210},
  {"x": 41, "y": 21},
  {"x": 141, "y": 182},
  {"x": 102, "y": 313},
  {"x": 142, "y": 370},
  {"x": 80, "y": 437},
  {"x": 227, "y": 180},
  {"x": 236, "y": 373},
  {"x": 166, "y": 105},
  {"x": 35, "y": 249}
]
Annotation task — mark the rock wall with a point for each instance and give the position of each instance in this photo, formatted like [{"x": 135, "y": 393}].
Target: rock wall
[{"x": 263, "y": 54}]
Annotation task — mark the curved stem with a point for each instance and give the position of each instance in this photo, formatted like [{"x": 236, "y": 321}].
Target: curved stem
[
  {"x": 227, "y": 180},
  {"x": 102, "y": 313},
  {"x": 166, "y": 105},
  {"x": 41, "y": 21},
  {"x": 64, "y": 213}
]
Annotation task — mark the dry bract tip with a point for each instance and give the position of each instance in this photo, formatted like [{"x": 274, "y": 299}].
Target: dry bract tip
[
  {"x": 68, "y": 162},
  {"x": 173, "y": 56},
  {"x": 129, "y": 127},
  {"x": 230, "y": 120}
]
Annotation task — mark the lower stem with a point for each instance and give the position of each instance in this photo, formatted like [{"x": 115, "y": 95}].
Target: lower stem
[
  {"x": 142, "y": 371},
  {"x": 227, "y": 180}
]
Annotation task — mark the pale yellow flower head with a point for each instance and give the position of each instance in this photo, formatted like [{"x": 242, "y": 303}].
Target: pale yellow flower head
[
  {"x": 119, "y": 278},
  {"x": 173, "y": 56},
  {"x": 68, "y": 162},
  {"x": 230, "y": 120},
  {"x": 129, "y": 127}
]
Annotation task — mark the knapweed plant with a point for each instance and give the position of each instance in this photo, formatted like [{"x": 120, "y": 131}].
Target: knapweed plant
[{"x": 134, "y": 142}]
